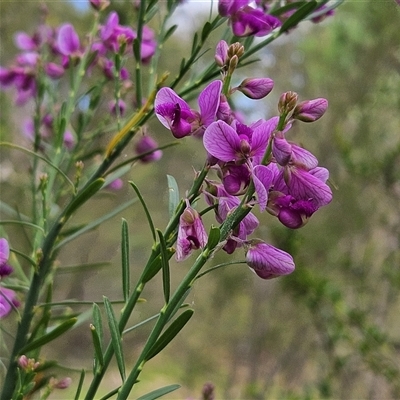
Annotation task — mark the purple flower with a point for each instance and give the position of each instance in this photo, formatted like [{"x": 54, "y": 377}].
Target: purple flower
[
  {"x": 116, "y": 184},
  {"x": 25, "y": 42},
  {"x": 191, "y": 234},
  {"x": 249, "y": 21},
  {"x": 145, "y": 145},
  {"x": 256, "y": 88},
  {"x": 221, "y": 53},
  {"x": 54, "y": 70},
  {"x": 310, "y": 110},
  {"x": 8, "y": 301},
  {"x": 175, "y": 113},
  {"x": 238, "y": 142},
  {"x": 112, "y": 106},
  {"x": 267, "y": 261},
  {"x": 5, "y": 269},
  {"x": 148, "y": 46},
  {"x": 67, "y": 40}
]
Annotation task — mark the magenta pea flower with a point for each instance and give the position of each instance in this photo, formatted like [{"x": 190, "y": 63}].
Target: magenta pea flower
[
  {"x": 8, "y": 301},
  {"x": 238, "y": 142},
  {"x": 310, "y": 110},
  {"x": 67, "y": 40},
  {"x": 148, "y": 145},
  {"x": 5, "y": 268},
  {"x": 191, "y": 233},
  {"x": 256, "y": 88},
  {"x": 267, "y": 261},
  {"x": 177, "y": 116}
]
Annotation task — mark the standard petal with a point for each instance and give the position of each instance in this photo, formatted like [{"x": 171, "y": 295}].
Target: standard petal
[
  {"x": 209, "y": 100},
  {"x": 263, "y": 178},
  {"x": 67, "y": 40},
  {"x": 304, "y": 186},
  {"x": 259, "y": 139},
  {"x": 304, "y": 157},
  {"x": 222, "y": 141}
]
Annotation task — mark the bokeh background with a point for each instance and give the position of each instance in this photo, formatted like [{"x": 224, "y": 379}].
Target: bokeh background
[{"x": 332, "y": 328}]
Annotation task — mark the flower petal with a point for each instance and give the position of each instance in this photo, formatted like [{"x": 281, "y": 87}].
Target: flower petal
[{"x": 209, "y": 100}]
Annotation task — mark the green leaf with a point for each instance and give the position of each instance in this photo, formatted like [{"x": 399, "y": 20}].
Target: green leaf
[
  {"x": 115, "y": 337},
  {"x": 155, "y": 394},
  {"x": 170, "y": 32},
  {"x": 80, "y": 384},
  {"x": 165, "y": 267},
  {"x": 169, "y": 333},
  {"x": 146, "y": 210},
  {"x": 195, "y": 41},
  {"x": 72, "y": 269},
  {"x": 96, "y": 223},
  {"x": 84, "y": 196},
  {"x": 299, "y": 15},
  {"x": 54, "y": 334},
  {"x": 213, "y": 237},
  {"x": 110, "y": 394},
  {"x": 125, "y": 260},
  {"x": 173, "y": 192},
  {"x": 24, "y": 223},
  {"x": 155, "y": 266},
  {"x": 98, "y": 352},
  {"x": 207, "y": 28},
  {"x": 97, "y": 321}
]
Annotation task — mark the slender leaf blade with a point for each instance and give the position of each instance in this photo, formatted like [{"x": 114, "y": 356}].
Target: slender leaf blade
[
  {"x": 98, "y": 353},
  {"x": 165, "y": 267},
  {"x": 125, "y": 260},
  {"x": 115, "y": 337},
  {"x": 155, "y": 394},
  {"x": 49, "y": 337},
  {"x": 80, "y": 385},
  {"x": 170, "y": 333}
]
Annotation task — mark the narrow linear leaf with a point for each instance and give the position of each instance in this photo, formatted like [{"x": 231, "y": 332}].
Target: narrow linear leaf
[
  {"x": 155, "y": 394},
  {"x": 115, "y": 337},
  {"x": 80, "y": 385},
  {"x": 98, "y": 321},
  {"x": 165, "y": 267},
  {"x": 49, "y": 337},
  {"x": 146, "y": 210},
  {"x": 110, "y": 394},
  {"x": 98, "y": 352},
  {"x": 195, "y": 41},
  {"x": 170, "y": 32},
  {"x": 173, "y": 192},
  {"x": 11, "y": 212},
  {"x": 155, "y": 266},
  {"x": 81, "y": 267},
  {"x": 170, "y": 333},
  {"x": 288, "y": 7},
  {"x": 27, "y": 258},
  {"x": 125, "y": 260},
  {"x": 207, "y": 28},
  {"x": 299, "y": 15}
]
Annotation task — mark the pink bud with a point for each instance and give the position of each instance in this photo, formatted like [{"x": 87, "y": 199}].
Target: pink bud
[
  {"x": 287, "y": 102},
  {"x": 256, "y": 88},
  {"x": 221, "y": 53},
  {"x": 53, "y": 70},
  {"x": 145, "y": 145},
  {"x": 310, "y": 110},
  {"x": 63, "y": 383}
]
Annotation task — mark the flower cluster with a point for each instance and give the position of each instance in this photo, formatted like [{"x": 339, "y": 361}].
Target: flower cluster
[{"x": 256, "y": 161}]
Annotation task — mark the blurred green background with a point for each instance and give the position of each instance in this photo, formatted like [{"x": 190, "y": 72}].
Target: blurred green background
[{"x": 332, "y": 328}]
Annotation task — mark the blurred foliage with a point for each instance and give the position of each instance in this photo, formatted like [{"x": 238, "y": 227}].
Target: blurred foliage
[{"x": 330, "y": 330}]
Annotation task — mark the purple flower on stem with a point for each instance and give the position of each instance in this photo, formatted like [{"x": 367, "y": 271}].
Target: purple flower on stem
[
  {"x": 176, "y": 115},
  {"x": 256, "y": 88},
  {"x": 147, "y": 144},
  {"x": 25, "y": 42},
  {"x": 5, "y": 269},
  {"x": 191, "y": 233},
  {"x": 68, "y": 41},
  {"x": 310, "y": 110},
  {"x": 238, "y": 143},
  {"x": 8, "y": 301},
  {"x": 267, "y": 261}
]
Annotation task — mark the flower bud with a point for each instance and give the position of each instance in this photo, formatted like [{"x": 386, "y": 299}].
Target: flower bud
[
  {"x": 287, "y": 102},
  {"x": 267, "y": 261},
  {"x": 53, "y": 70},
  {"x": 310, "y": 110},
  {"x": 256, "y": 88},
  {"x": 221, "y": 53},
  {"x": 235, "y": 49},
  {"x": 145, "y": 145},
  {"x": 99, "y": 5},
  {"x": 233, "y": 62}
]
